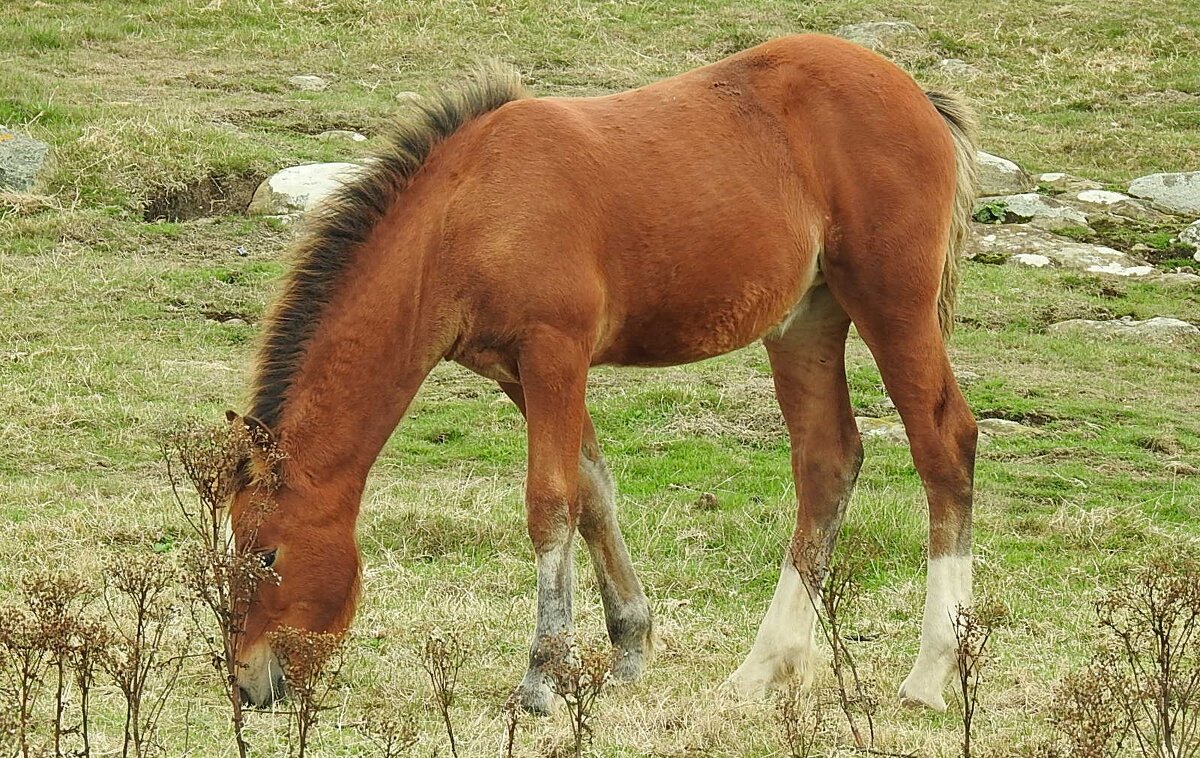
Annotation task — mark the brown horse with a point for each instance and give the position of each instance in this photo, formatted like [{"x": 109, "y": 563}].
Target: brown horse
[{"x": 781, "y": 194}]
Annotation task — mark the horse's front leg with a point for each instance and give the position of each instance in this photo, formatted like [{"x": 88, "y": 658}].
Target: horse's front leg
[{"x": 553, "y": 369}]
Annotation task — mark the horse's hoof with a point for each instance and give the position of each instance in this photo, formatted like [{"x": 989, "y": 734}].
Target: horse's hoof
[
  {"x": 912, "y": 695},
  {"x": 536, "y": 696},
  {"x": 628, "y": 666}
]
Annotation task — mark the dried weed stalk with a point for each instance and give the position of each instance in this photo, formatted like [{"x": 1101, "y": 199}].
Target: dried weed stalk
[
  {"x": 511, "y": 715},
  {"x": 832, "y": 590},
  {"x": 142, "y": 606},
  {"x": 311, "y": 661},
  {"x": 1154, "y": 620},
  {"x": 221, "y": 572},
  {"x": 1088, "y": 711},
  {"x": 393, "y": 734},
  {"x": 442, "y": 658},
  {"x": 24, "y": 661},
  {"x": 972, "y": 631},
  {"x": 578, "y": 676},
  {"x": 800, "y": 718}
]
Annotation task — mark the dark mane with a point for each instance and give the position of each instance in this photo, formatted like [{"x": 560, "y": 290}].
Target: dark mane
[{"x": 345, "y": 220}]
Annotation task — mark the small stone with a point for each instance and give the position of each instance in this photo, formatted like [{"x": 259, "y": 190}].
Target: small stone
[
  {"x": 337, "y": 135},
  {"x": 888, "y": 428},
  {"x": 879, "y": 35},
  {"x": 1175, "y": 193},
  {"x": 1151, "y": 330},
  {"x": 1191, "y": 236},
  {"x": 299, "y": 188},
  {"x": 1061, "y": 182},
  {"x": 1032, "y": 260},
  {"x": 1000, "y": 176},
  {"x": 1101, "y": 197},
  {"x": 407, "y": 96},
  {"x": 966, "y": 376},
  {"x": 308, "y": 83},
  {"x": 1001, "y": 427},
  {"x": 706, "y": 502},
  {"x": 959, "y": 69},
  {"x": 21, "y": 160}
]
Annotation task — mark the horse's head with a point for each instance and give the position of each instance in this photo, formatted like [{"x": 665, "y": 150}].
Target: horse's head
[{"x": 306, "y": 536}]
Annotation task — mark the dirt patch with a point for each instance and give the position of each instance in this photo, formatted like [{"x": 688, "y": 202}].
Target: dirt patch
[{"x": 211, "y": 196}]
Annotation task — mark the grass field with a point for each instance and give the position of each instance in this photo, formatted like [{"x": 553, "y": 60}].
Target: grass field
[{"x": 115, "y": 328}]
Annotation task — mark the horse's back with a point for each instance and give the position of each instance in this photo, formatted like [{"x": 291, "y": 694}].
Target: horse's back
[{"x": 692, "y": 211}]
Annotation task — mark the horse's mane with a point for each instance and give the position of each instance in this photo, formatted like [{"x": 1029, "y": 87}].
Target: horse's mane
[{"x": 345, "y": 220}]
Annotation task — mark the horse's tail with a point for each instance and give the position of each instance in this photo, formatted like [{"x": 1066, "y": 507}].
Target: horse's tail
[{"x": 964, "y": 130}]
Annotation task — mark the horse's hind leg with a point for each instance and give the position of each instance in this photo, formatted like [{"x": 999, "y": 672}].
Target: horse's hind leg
[
  {"x": 808, "y": 362},
  {"x": 892, "y": 299},
  {"x": 626, "y": 611}
]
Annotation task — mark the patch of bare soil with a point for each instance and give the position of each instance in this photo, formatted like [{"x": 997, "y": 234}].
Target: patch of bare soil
[{"x": 211, "y": 196}]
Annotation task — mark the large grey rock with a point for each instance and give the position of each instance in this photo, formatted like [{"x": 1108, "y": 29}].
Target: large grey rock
[
  {"x": 1007, "y": 241},
  {"x": 1000, "y": 176},
  {"x": 299, "y": 188},
  {"x": 308, "y": 82},
  {"x": 1060, "y": 182},
  {"x": 341, "y": 135},
  {"x": 879, "y": 35},
  {"x": 1030, "y": 206},
  {"x": 1175, "y": 279},
  {"x": 1177, "y": 193},
  {"x": 21, "y": 160},
  {"x": 891, "y": 429},
  {"x": 1158, "y": 329}
]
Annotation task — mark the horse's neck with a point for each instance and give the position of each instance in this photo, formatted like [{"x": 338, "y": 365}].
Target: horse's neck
[{"x": 375, "y": 344}]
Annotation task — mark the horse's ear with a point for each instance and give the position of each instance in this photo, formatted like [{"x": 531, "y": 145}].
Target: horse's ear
[{"x": 264, "y": 450}]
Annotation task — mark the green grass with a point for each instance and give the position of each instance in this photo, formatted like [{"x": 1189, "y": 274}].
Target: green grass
[{"x": 114, "y": 330}]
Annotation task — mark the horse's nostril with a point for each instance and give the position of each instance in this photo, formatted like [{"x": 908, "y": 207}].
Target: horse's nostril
[{"x": 245, "y": 696}]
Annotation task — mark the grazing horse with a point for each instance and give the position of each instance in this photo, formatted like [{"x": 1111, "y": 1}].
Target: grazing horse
[{"x": 780, "y": 194}]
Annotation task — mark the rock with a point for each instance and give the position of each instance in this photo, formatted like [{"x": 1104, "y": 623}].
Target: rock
[
  {"x": 879, "y": 35},
  {"x": 408, "y": 97},
  {"x": 966, "y": 376},
  {"x": 1150, "y": 330},
  {"x": 1008, "y": 240},
  {"x": 958, "y": 69},
  {"x": 887, "y": 428},
  {"x": 308, "y": 83},
  {"x": 299, "y": 188},
  {"x": 1032, "y": 260},
  {"x": 1002, "y": 427},
  {"x": 1030, "y": 206},
  {"x": 1175, "y": 193},
  {"x": 1177, "y": 278},
  {"x": 1113, "y": 207},
  {"x": 337, "y": 135},
  {"x": 1000, "y": 176},
  {"x": 21, "y": 160},
  {"x": 1191, "y": 236},
  {"x": 1060, "y": 182}
]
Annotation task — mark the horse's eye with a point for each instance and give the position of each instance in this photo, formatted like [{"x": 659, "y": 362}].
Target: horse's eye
[{"x": 267, "y": 557}]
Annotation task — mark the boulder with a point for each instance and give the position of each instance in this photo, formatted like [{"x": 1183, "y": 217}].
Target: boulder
[
  {"x": 1176, "y": 193},
  {"x": 1060, "y": 182},
  {"x": 1006, "y": 241},
  {"x": 299, "y": 188},
  {"x": 1002, "y": 427},
  {"x": 21, "y": 160},
  {"x": 1030, "y": 206},
  {"x": 308, "y": 83},
  {"x": 1175, "y": 279},
  {"x": 1000, "y": 176},
  {"x": 879, "y": 35},
  {"x": 888, "y": 429},
  {"x": 1158, "y": 329}
]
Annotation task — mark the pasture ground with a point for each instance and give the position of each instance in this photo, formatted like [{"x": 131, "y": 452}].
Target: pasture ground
[{"x": 116, "y": 328}]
